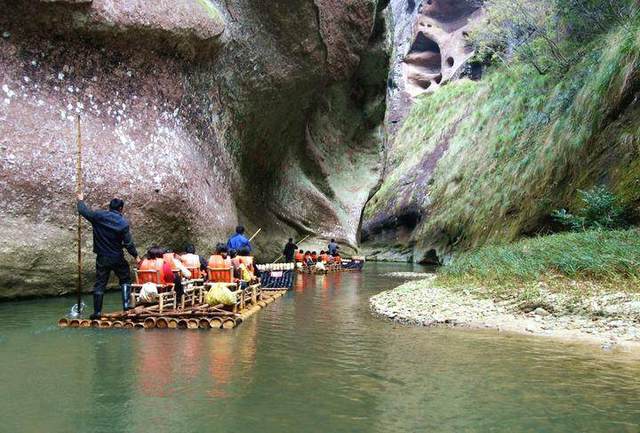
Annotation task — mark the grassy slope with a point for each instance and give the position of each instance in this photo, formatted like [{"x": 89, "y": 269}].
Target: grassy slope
[
  {"x": 519, "y": 145},
  {"x": 592, "y": 259}
]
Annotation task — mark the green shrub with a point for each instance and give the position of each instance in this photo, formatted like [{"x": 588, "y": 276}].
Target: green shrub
[{"x": 600, "y": 211}]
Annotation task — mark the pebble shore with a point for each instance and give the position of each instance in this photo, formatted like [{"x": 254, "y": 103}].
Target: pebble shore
[{"x": 611, "y": 320}]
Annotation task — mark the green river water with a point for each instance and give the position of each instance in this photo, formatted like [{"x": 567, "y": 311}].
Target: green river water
[{"x": 314, "y": 361}]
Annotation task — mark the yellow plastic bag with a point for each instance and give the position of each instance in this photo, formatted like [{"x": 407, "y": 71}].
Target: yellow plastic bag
[{"x": 220, "y": 294}]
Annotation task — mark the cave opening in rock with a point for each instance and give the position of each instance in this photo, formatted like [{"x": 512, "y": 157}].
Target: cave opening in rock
[
  {"x": 430, "y": 258},
  {"x": 423, "y": 63}
]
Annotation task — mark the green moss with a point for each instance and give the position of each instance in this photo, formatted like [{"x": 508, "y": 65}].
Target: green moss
[{"x": 520, "y": 144}]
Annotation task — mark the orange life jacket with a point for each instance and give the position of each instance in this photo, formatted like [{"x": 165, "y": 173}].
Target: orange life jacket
[
  {"x": 166, "y": 275},
  {"x": 314, "y": 257},
  {"x": 216, "y": 261},
  {"x": 299, "y": 257},
  {"x": 324, "y": 258},
  {"x": 337, "y": 260}
]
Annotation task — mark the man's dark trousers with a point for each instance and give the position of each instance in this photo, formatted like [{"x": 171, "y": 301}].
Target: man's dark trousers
[{"x": 104, "y": 266}]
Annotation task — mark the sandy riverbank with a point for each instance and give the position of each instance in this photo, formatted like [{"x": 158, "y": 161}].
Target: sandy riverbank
[{"x": 611, "y": 320}]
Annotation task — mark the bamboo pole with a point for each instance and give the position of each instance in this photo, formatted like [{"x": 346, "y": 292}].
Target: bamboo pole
[
  {"x": 105, "y": 324},
  {"x": 138, "y": 325},
  {"x": 182, "y": 323},
  {"x": 79, "y": 191},
  {"x": 215, "y": 323},
  {"x": 193, "y": 323},
  {"x": 299, "y": 242},
  {"x": 63, "y": 323},
  {"x": 255, "y": 234},
  {"x": 95, "y": 323},
  {"x": 118, "y": 324},
  {"x": 204, "y": 323},
  {"x": 129, "y": 324},
  {"x": 85, "y": 323},
  {"x": 172, "y": 323},
  {"x": 162, "y": 323}
]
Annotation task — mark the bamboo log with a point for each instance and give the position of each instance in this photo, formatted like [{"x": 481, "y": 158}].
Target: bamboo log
[
  {"x": 149, "y": 323},
  {"x": 162, "y": 323},
  {"x": 138, "y": 325},
  {"x": 95, "y": 323},
  {"x": 193, "y": 323},
  {"x": 129, "y": 324},
  {"x": 215, "y": 323},
  {"x": 63, "y": 323},
  {"x": 229, "y": 324},
  {"x": 182, "y": 323},
  {"x": 204, "y": 324},
  {"x": 172, "y": 323},
  {"x": 118, "y": 324},
  {"x": 85, "y": 323},
  {"x": 105, "y": 324},
  {"x": 250, "y": 312},
  {"x": 262, "y": 303}
]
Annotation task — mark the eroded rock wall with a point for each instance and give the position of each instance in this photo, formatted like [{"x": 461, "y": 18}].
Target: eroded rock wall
[
  {"x": 200, "y": 114},
  {"x": 430, "y": 49}
]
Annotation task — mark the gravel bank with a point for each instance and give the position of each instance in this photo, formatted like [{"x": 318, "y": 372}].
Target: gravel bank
[
  {"x": 610, "y": 320},
  {"x": 409, "y": 275}
]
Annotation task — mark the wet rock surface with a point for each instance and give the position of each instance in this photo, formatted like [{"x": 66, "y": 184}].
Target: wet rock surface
[
  {"x": 424, "y": 303},
  {"x": 199, "y": 114}
]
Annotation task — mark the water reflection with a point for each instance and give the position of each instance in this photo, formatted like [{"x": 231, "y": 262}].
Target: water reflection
[{"x": 314, "y": 361}]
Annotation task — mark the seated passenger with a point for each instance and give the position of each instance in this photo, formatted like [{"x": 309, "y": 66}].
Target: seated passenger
[
  {"x": 176, "y": 264},
  {"x": 153, "y": 261},
  {"x": 323, "y": 257},
  {"x": 314, "y": 257},
  {"x": 337, "y": 259},
  {"x": 193, "y": 261},
  {"x": 299, "y": 257},
  {"x": 246, "y": 259},
  {"x": 307, "y": 259},
  {"x": 217, "y": 260},
  {"x": 235, "y": 263}
]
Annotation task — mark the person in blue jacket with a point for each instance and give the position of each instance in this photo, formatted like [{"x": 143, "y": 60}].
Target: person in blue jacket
[
  {"x": 110, "y": 235},
  {"x": 239, "y": 241}
]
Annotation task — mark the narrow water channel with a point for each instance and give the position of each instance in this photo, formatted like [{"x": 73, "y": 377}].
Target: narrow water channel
[{"x": 314, "y": 361}]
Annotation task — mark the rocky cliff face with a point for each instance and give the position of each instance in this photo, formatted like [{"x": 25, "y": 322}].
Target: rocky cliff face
[
  {"x": 488, "y": 161},
  {"x": 430, "y": 50},
  {"x": 199, "y": 114}
]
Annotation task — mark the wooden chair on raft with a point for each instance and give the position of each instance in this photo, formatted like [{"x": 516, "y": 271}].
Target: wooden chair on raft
[{"x": 166, "y": 294}]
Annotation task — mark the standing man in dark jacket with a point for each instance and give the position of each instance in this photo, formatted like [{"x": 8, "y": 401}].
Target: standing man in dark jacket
[
  {"x": 289, "y": 251},
  {"x": 110, "y": 235}
]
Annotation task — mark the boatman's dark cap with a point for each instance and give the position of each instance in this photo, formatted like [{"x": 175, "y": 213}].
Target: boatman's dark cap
[{"x": 116, "y": 204}]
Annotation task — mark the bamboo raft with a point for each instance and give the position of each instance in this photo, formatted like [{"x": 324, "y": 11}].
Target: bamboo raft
[
  {"x": 354, "y": 265},
  {"x": 196, "y": 316},
  {"x": 276, "y": 276}
]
